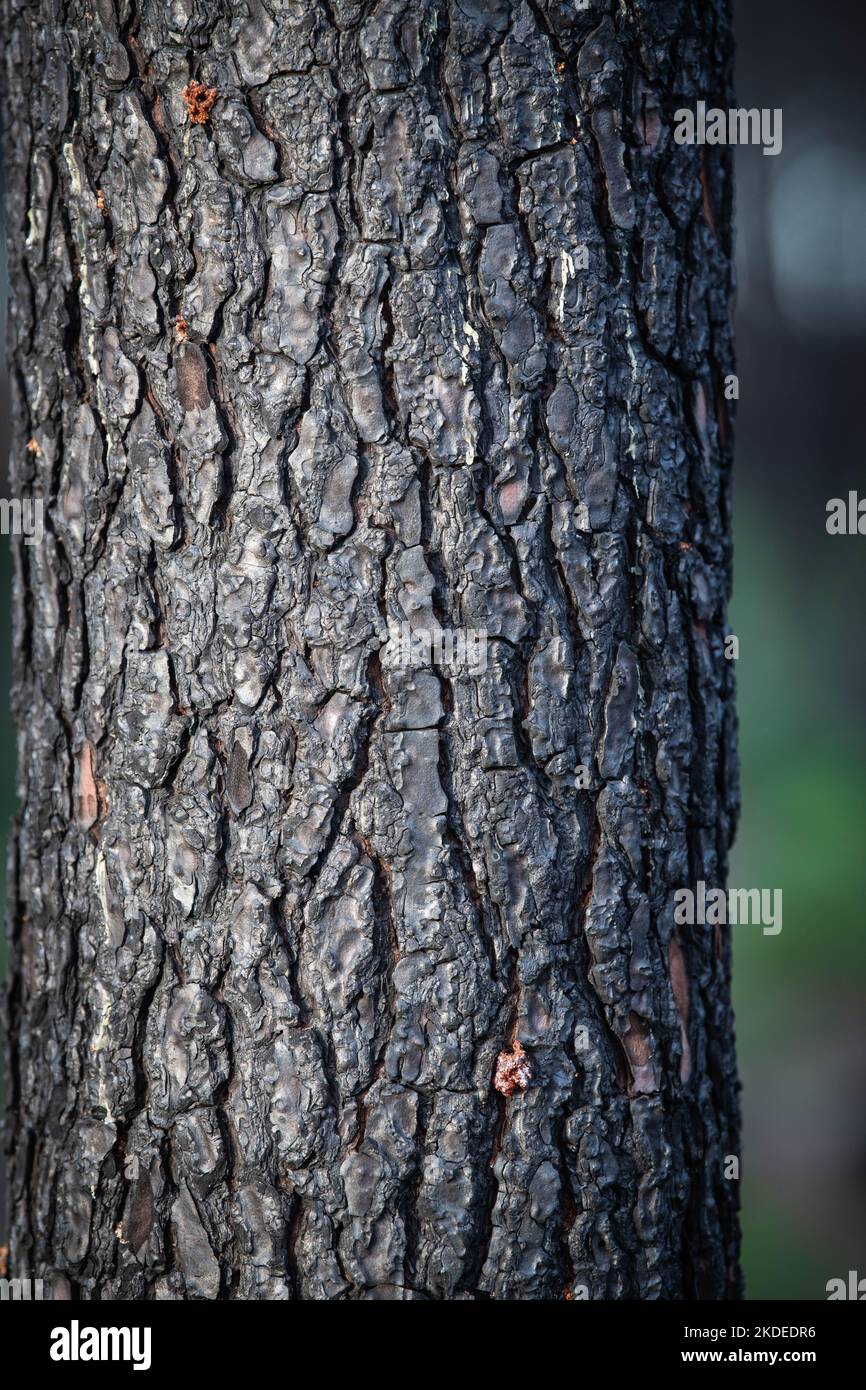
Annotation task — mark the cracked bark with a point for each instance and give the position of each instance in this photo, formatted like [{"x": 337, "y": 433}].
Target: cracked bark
[{"x": 330, "y": 354}]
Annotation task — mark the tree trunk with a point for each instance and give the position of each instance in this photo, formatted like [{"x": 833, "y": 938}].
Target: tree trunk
[{"x": 329, "y": 318}]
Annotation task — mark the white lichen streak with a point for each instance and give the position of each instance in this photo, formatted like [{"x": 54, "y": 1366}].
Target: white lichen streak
[
  {"x": 101, "y": 1041},
  {"x": 633, "y": 363},
  {"x": 566, "y": 271}
]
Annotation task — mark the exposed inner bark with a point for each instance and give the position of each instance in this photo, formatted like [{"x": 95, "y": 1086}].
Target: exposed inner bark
[{"x": 422, "y": 317}]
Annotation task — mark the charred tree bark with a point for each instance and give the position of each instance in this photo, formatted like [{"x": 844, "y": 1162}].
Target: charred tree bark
[{"x": 327, "y": 316}]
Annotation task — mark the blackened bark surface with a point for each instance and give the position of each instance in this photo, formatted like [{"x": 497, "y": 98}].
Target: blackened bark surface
[{"x": 330, "y": 356}]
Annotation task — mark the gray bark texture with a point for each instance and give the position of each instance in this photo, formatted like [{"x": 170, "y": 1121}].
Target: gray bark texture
[{"x": 327, "y": 315}]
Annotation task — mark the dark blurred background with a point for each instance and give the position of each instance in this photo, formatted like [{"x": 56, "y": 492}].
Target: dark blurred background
[
  {"x": 797, "y": 609},
  {"x": 801, "y": 326}
]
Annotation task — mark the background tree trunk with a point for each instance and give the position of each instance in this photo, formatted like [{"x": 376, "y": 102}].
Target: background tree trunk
[{"x": 414, "y": 311}]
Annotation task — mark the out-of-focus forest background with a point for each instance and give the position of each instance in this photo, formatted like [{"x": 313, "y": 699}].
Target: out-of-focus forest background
[
  {"x": 800, "y": 997},
  {"x": 801, "y": 327}
]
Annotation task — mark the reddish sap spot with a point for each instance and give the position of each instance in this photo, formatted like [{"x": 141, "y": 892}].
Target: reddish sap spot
[
  {"x": 701, "y": 412},
  {"x": 637, "y": 1046},
  {"x": 87, "y": 804},
  {"x": 510, "y": 501},
  {"x": 680, "y": 987},
  {"x": 513, "y": 1071},
  {"x": 198, "y": 100}
]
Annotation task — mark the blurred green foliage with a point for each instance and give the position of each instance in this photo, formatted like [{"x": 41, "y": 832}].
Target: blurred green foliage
[{"x": 803, "y": 828}]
